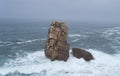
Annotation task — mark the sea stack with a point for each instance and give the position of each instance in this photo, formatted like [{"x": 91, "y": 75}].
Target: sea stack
[{"x": 56, "y": 47}]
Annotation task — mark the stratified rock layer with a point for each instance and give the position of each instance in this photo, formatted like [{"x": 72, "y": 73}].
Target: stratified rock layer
[
  {"x": 80, "y": 53},
  {"x": 56, "y": 47}
]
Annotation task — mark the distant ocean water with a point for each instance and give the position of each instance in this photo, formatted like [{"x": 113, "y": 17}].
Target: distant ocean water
[{"x": 22, "y": 49}]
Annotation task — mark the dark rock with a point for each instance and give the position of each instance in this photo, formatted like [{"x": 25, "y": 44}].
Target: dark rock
[
  {"x": 80, "y": 53},
  {"x": 56, "y": 47}
]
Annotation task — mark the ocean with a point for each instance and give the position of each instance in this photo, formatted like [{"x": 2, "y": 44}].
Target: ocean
[{"x": 22, "y": 45}]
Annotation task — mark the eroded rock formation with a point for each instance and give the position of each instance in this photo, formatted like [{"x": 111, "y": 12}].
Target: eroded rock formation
[
  {"x": 80, "y": 53},
  {"x": 56, "y": 47}
]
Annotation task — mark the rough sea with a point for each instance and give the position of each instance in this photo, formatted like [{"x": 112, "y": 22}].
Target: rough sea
[{"x": 22, "y": 49}]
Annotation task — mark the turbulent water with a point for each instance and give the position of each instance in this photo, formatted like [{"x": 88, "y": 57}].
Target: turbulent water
[{"x": 22, "y": 49}]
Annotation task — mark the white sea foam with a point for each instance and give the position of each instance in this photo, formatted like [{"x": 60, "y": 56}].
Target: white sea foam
[
  {"x": 75, "y": 40},
  {"x": 74, "y": 35},
  {"x": 77, "y": 35},
  {"x": 29, "y": 41},
  {"x": 112, "y": 31},
  {"x": 103, "y": 65},
  {"x": 7, "y": 43}
]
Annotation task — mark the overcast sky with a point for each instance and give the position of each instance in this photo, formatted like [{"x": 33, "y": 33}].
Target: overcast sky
[{"x": 108, "y": 10}]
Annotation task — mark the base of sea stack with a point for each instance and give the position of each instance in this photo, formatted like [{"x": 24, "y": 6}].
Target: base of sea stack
[
  {"x": 80, "y": 53},
  {"x": 62, "y": 56}
]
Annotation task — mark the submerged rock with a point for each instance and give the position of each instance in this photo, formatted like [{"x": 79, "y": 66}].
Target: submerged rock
[
  {"x": 56, "y": 47},
  {"x": 80, "y": 53}
]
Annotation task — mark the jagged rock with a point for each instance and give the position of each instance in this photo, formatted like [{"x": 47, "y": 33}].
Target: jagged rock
[
  {"x": 56, "y": 47},
  {"x": 80, "y": 53}
]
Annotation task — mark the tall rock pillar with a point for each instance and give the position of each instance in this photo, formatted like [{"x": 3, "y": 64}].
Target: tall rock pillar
[{"x": 56, "y": 47}]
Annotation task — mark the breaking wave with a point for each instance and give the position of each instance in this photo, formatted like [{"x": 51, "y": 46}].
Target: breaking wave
[
  {"x": 75, "y": 40},
  {"x": 36, "y": 64},
  {"x": 5, "y": 43},
  {"x": 20, "y": 41},
  {"x": 29, "y": 41},
  {"x": 77, "y": 35}
]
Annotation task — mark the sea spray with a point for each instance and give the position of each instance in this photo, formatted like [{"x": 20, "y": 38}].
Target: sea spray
[{"x": 36, "y": 63}]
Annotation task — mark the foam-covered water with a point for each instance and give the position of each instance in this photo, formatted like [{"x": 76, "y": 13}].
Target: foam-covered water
[
  {"x": 37, "y": 64},
  {"x": 22, "y": 50}
]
